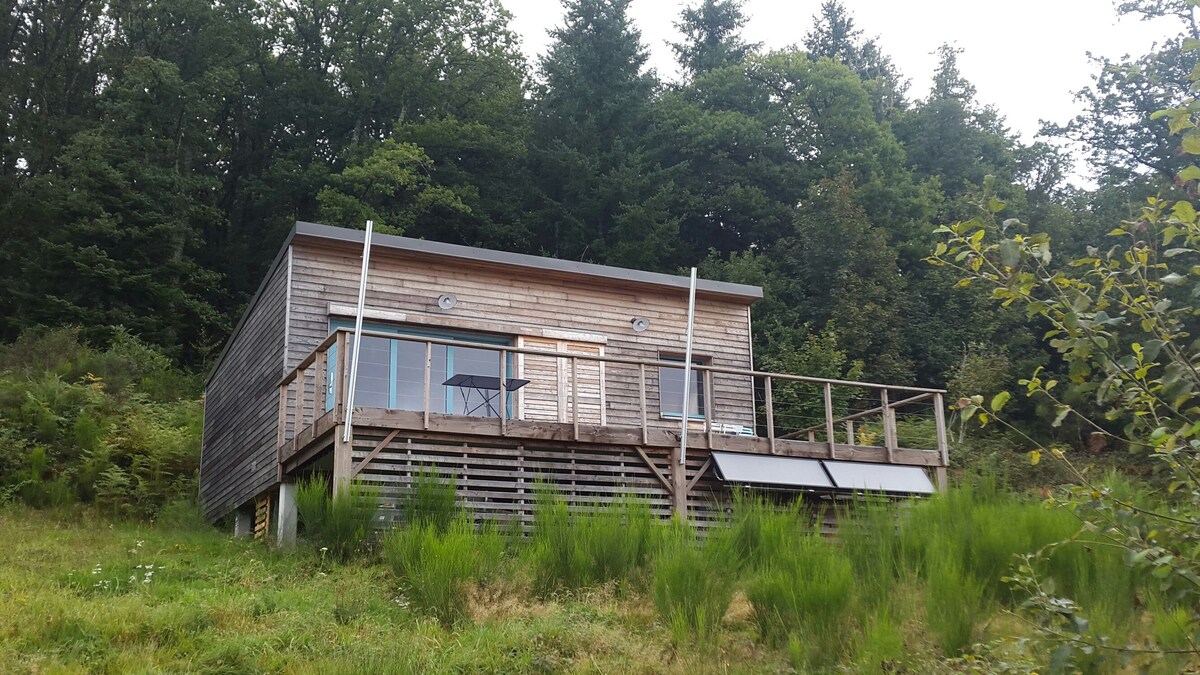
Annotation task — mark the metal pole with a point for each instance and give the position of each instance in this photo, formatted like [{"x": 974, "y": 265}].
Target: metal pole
[
  {"x": 687, "y": 371},
  {"x": 358, "y": 317}
]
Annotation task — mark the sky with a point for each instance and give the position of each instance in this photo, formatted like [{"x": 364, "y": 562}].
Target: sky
[{"x": 1026, "y": 57}]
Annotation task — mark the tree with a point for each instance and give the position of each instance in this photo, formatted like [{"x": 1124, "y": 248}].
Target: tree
[
  {"x": 712, "y": 38},
  {"x": 590, "y": 114},
  {"x": 834, "y": 36},
  {"x": 1123, "y": 320},
  {"x": 1113, "y": 129},
  {"x": 389, "y": 186}
]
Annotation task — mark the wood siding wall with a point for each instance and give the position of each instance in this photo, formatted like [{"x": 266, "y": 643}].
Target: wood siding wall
[
  {"x": 241, "y": 405},
  {"x": 325, "y": 272}
]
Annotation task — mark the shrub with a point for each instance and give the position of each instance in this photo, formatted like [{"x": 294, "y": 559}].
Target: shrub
[
  {"x": 760, "y": 530},
  {"x": 954, "y": 600},
  {"x": 693, "y": 584},
  {"x": 340, "y": 524},
  {"x": 109, "y": 425},
  {"x": 431, "y": 500},
  {"x": 805, "y": 592},
  {"x": 437, "y": 565},
  {"x": 576, "y": 548}
]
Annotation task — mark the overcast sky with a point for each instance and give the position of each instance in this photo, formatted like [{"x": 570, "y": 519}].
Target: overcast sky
[{"x": 1026, "y": 57}]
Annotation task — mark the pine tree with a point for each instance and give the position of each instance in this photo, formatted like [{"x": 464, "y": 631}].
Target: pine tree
[{"x": 712, "y": 36}]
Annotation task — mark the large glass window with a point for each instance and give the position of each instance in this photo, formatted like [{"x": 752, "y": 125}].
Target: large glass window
[
  {"x": 670, "y": 388},
  {"x": 391, "y": 371}
]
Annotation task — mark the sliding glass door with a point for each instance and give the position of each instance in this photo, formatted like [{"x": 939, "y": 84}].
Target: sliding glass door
[{"x": 391, "y": 371}]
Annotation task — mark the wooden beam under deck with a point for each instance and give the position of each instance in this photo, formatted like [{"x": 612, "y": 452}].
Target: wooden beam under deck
[{"x": 589, "y": 433}]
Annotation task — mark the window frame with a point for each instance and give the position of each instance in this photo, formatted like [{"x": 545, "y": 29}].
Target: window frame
[
  {"x": 700, "y": 391},
  {"x": 417, "y": 332}
]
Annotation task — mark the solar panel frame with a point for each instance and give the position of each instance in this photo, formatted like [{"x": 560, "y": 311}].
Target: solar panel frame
[
  {"x": 873, "y": 477},
  {"x": 772, "y": 470}
]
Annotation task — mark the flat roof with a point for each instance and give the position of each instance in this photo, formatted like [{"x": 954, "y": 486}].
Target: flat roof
[{"x": 531, "y": 262}]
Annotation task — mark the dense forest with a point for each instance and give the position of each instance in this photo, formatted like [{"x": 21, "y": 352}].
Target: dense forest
[{"x": 154, "y": 155}]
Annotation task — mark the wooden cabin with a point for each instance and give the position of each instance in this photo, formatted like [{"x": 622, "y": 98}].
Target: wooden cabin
[{"x": 506, "y": 370}]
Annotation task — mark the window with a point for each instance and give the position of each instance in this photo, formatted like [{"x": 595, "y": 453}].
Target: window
[
  {"x": 391, "y": 372},
  {"x": 670, "y": 388}
]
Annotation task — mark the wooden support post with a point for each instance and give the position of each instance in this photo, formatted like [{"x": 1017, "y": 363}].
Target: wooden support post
[
  {"x": 343, "y": 460},
  {"x": 770, "y": 414},
  {"x": 428, "y": 371},
  {"x": 575, "y": 397},
  {"x": 889, "y": 425},
  {"x": 679, "y": 488},
  {"x": 642, "y": 400},
  {"x": 939, "y": 416},
  {"x": 850, "y": 440},
  {"x": 829, "y": 420},
  {"x": 503, "y": 393}
]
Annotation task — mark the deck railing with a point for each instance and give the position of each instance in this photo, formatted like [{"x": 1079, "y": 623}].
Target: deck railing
[{"x": 838, "y": 414}]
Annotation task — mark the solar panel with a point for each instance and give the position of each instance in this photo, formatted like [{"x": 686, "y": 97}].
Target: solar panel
[
  {"x": 879, "y": 477},
  {"x": 771, "y": 470}
]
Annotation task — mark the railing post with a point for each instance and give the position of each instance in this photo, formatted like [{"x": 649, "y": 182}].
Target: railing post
[
  {"x": 339, "y": 377},
  {"x": 298, "y": 406},
  {"x": 642, "y": 400},
  {"x": 320, "y": 380},
  {"x": 850, "y": 432},
  {"x": 939, "y": 417},
  {"x": 428, "y": 371},
  {"x": 770, "y": 414},
  {"x": 503, "y": 391},
  {"x": 575, "y": 397},
  {"x": 829, "y": 420},
  {"x": 709, "y": 406},
  {"x": 281, "y": 435},
  {"x": 889, "y": 425}
]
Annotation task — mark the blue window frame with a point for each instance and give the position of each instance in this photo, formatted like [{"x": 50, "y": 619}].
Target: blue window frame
[
  {"x": 391, "y": 372},
  {"x": 670, "y": 389}
]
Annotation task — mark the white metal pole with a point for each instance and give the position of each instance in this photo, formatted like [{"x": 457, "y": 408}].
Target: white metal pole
[
  {"x": 687, "y": 370},
  {"x": 357, "y": 348}
]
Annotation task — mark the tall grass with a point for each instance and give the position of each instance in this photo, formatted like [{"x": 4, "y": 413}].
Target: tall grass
[
  {"x": 804, "y": 593},
  {"x": 762, "y": 531},
  {"x": 439, "y": 564},
  {"x": 432, "y": 499},
  {"x": 693, "y": 583},
  {"x": 577, "y": 547},
  {"x": 954, "y": 599},
  {"x": 868, "y": 534},
  {"x": 340, "y": 524}
]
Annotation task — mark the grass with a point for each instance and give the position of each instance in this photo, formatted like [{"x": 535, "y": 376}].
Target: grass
[
  {"x": 901, "y": 589},
  {"x": 221, "y": 605}
]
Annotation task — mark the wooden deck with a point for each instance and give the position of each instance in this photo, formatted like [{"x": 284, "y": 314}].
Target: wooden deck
[{"x": 498, "y": 461}]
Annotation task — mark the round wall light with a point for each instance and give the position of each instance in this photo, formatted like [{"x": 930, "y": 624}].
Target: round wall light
[
  {"x": 447, "y": 301},
  {"x": 640, "y": 324}
]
